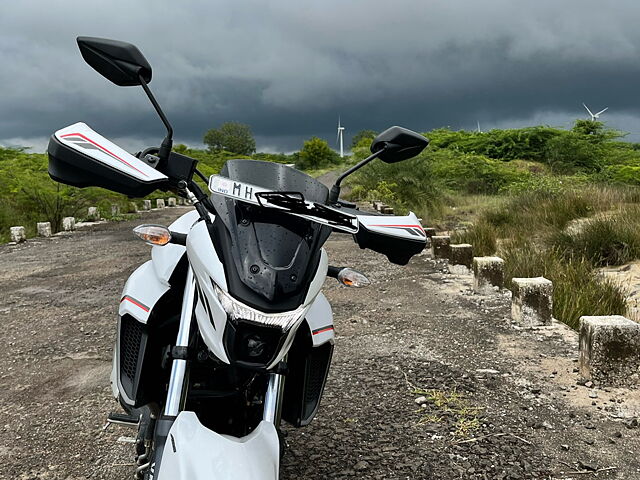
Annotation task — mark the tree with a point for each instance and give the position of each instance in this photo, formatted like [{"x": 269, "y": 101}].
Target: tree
[
  {"x": 596, "y": 131},
  {"x": 233, "y": 137},
  {"x": 316, "y": 153},
  {"x": 361, "y": 136}
]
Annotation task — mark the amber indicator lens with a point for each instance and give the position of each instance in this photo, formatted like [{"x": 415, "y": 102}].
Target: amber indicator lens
[
  {"x": 153, "y": 234},
  {"x": 353, "y": 278}
]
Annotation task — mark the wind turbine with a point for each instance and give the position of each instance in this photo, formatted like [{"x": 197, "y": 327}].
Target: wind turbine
[
  {"x": 595, "y": 116},
  {"x": 340, "y": 138}
]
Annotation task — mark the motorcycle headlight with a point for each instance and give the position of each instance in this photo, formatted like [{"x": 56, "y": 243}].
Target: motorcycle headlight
[{"x": 239, "y": 311}]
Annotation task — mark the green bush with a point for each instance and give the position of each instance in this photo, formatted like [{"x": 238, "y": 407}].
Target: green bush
[
  {"x": 621, "y": 174},
  {"x": 511, "y": 144},
  {"x": 315, "y": 154},
  {"x": 473, "y": 173}
]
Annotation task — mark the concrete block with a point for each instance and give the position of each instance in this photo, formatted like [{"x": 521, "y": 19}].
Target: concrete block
[
  {"x": 180, "y": 201},
  {"x": 487, "y": 272},
  {"x": 68, "y": 224},
  {"x": 18, "y": 234},
  {"x": 610, "y": 350},
  {"x": 160, "y": 203},
  {"x": 387, "y": 210},
  {"x": 532, "y": 301},
  {"x": 146, "y": 204},
  {"x": 115, "y": 210},
  {"x": 461, "y": 254},
  {"x": 133, "y": 207},
  {"x": 93, "y": 214},
  {"x": 430, "y": 232},
  {"x": 441, "y": 246},
  {"x": 171, "y": 202},
  {"x": 44, "y": 229}
]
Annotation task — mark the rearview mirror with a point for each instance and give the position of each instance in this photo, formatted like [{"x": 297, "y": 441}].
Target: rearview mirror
[
  {"x": 398, "y": 144},
  {"x": 120, "y": 62}
]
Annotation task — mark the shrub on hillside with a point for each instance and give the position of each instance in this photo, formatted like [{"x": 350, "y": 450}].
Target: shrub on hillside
[
  {"x": 473, "y": 173},
  {"x": 517, "y": 143}
]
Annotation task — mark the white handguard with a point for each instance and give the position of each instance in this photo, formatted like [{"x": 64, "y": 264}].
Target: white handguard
[
  {"x": 399, "y": 237},
  {"x": 83, "y": 139},
  {"x": 406, "y": 226}
]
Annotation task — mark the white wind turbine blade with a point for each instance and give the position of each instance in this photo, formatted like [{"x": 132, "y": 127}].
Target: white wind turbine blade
[
  {"x": 590, "y": 113},
  {"x": 602, "y": 111}
]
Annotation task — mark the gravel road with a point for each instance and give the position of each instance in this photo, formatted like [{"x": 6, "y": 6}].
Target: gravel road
[{"x": 498, "y": 402}]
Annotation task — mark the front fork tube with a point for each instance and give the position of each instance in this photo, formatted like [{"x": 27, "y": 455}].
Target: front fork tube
[
  {"x": 273, "y": 399},
  {"x": 176, "y": 390}
]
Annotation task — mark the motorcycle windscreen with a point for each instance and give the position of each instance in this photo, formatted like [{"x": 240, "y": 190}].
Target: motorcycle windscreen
[{"x": 269, "y": 256}]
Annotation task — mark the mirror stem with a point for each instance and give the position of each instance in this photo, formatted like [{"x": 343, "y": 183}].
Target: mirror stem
[
  {"x": 334, "y": 194},
  {"x": 167, "y": 143}
]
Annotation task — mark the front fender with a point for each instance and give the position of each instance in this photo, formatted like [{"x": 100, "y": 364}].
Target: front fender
[{"x": 193, "y": 452}]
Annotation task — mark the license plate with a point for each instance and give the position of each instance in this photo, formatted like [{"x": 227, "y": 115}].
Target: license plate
[{"x": 234, "y": 189}]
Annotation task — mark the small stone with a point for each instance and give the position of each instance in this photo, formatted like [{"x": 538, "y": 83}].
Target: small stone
[
  {"x": 564, "y": 447},
  {"x": 587, "y": 466},
  {"x": 421, "y": 400},
  {"x": 361, "y": 465},
  {"x": 487, "y": 370},
  {"x": 593, "y": 394}
]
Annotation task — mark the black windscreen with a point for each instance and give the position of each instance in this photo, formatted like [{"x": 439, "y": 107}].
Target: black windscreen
[{"x": 269, "y": 256}]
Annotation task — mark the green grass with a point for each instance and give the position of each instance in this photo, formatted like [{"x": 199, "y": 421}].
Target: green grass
[
  {"x": 482, "y": 235},
  {"x": 578, "y": 289},
  {"x": 451, "y": 404},
  {"x": 605, "y": 240},
  {"x": 564, "y": 235}
]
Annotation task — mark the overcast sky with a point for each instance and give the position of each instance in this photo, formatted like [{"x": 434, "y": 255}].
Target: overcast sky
[{"x": 289, "y": 68}]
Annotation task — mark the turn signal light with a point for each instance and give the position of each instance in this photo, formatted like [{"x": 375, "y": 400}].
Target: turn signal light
[
  {"x": 353, "y": 278},
  {"x": 153, "y": 234}
]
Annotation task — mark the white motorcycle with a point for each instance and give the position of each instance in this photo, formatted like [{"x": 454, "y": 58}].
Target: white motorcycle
[{"x": 230, "y": 304}]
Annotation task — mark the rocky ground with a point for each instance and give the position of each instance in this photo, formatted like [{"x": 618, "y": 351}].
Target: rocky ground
[{"x": 428, "y": 381}]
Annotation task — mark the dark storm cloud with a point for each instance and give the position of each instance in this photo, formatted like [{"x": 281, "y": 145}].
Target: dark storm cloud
[{"x": 290, "y": 68}]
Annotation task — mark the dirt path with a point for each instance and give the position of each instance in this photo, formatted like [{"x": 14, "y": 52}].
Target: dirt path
[{"x": 500, "y": 403}]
